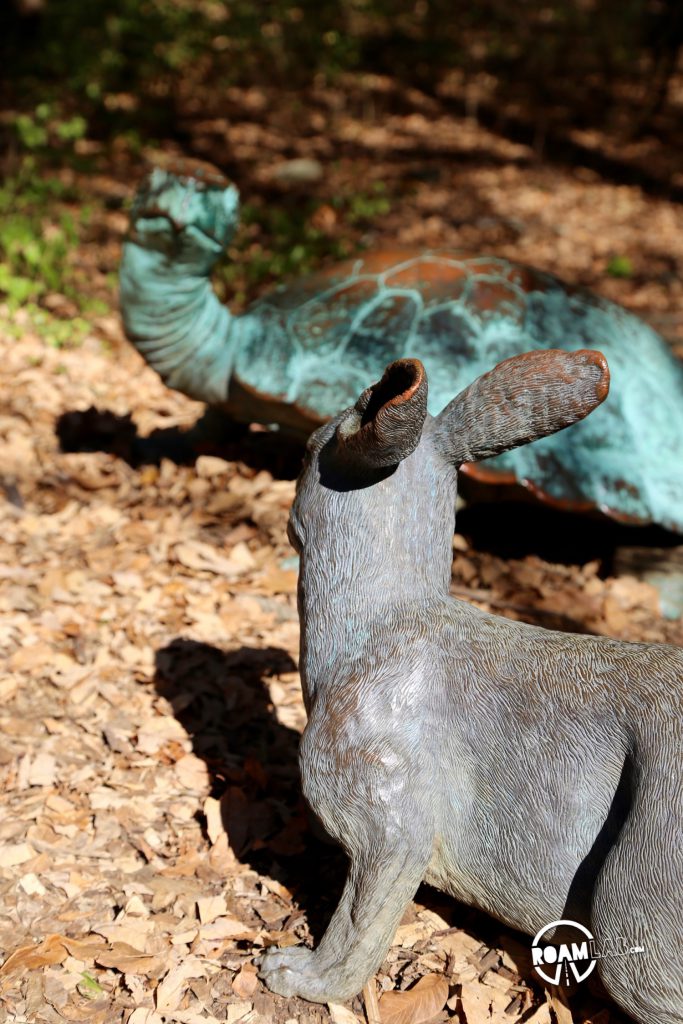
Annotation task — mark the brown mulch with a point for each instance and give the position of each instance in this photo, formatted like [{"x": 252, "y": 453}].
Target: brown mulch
[{"x": 153, "y": 840}]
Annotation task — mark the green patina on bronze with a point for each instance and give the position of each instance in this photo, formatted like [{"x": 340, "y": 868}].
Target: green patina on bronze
[{"x": 302, "y": 353}]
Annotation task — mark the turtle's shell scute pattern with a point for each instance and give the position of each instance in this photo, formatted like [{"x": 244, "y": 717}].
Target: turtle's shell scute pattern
[
  {"x": 317, "y": 344},
  {"x": 366, "y": 312},
  {"x": 340, "y": 328}
]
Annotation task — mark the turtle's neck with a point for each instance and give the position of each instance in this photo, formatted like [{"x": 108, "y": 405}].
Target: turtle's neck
[{"x": 173, "y": 317}]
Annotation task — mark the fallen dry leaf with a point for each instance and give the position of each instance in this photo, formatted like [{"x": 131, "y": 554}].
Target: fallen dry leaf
[
  {"x": 130, "y": 932},
  {"x": 196, "y": 555},
  {"x": 172, "y": 988},
  {"x": 222, "y": 857},
  {"x": 560, "y": 1007},
  {"x": 226, "y": 928},
  {"x": 209, "y": 466},
  {"x": 42, "y": 771},
  {"x": 32, "y": 885},
  {"x": 540, "y": 1016},
  {"x": 192, "y": 1017},
  {"x": 245, "y": 982},
  {"x": 211, "y": 907},
  {"x": 408, "y": 934},
  {"x": 214, "y": 819},
  {"x": 12, "y": 854},
  {"x": 482, "y": 1004},
  {"x": 418, "y": 1004},
  {"x": 85, "y": 949},
  {"x": 31, "y": 958},
  {"x": 341, "y": 1014},
  {"x": 192, "y": 772},
  {"x": 142, "y": 1016},
  {"x": 371, "y": 1002},
  {"x": 127, "y": 960},
  {"x": 237, "y": 1011}
]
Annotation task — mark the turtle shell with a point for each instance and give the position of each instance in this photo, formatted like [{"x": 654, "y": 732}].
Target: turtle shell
[{"x": 307, "y": 350}]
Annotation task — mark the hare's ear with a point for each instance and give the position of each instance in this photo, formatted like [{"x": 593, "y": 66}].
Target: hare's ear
[
  {"x": 385, "y": 425},
  {"x": 523, "y": 398}
]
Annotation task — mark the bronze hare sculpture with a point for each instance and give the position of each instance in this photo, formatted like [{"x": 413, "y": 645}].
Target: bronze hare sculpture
[{"x": 534, "y": 774}]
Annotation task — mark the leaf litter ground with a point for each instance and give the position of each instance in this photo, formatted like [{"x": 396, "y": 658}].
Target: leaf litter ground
[{"x": 154, "y": 840}]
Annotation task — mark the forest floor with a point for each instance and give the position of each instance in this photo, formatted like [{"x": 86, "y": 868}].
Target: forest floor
[{"x": 154, "y": 840}]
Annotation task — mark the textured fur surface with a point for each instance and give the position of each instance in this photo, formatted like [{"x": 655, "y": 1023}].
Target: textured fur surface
[{"x": 534, "y": 774}]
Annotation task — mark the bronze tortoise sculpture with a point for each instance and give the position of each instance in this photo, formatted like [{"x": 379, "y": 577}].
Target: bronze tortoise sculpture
[{"x": 301, "y": 353}]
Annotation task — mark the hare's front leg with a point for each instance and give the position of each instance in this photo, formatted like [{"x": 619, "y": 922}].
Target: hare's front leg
[{"x": 383, "y": 877}]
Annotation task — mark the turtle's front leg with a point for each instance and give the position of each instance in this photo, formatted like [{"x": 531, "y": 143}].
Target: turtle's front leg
[{"x": 383, "y": 878}]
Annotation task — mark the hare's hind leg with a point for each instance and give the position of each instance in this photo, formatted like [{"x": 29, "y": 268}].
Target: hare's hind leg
[{"x": 638, "y": 899}]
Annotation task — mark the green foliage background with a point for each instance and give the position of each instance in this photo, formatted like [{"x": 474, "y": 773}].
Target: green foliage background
[
  {"x": 117, "y": 73},
  {"x": 85, "y": 53}
]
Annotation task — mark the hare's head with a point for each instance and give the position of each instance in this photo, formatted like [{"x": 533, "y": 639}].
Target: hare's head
[{"x": 385, "y": 465}]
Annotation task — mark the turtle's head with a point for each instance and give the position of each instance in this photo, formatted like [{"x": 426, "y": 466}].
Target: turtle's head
[{"x": 187, "y": 213}]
